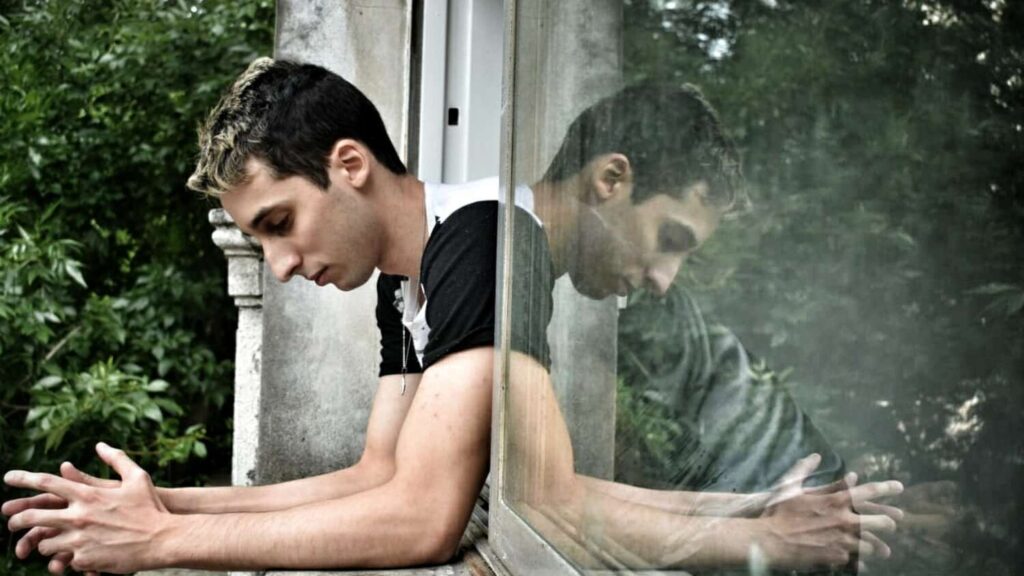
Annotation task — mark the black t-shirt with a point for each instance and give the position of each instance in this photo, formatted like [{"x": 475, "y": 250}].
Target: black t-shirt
[{"x": 458, "y": 276}]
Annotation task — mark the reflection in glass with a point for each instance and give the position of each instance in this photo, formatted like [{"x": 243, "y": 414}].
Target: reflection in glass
[{"x": 863, "y": 317}]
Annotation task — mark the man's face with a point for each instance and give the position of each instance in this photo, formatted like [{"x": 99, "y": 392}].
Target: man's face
[
  {"x": 329, "y": 237},
  {"x": 625, "y": 246}
]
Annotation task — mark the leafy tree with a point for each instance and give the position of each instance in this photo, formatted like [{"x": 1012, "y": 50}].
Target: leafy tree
[{"x": 114, "y": 322}]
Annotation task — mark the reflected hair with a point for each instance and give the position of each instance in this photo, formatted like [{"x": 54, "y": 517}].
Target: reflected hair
[
  {"x": 288, "y": 115},
  {"x": 670, "y": 134}
]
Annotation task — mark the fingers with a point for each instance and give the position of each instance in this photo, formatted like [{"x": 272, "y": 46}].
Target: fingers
[
  {"x": 125, "y": 467},
  {"x": 875, "y": 490},
  {"x": 876, "y": 523},
  {"x": 44, "y": 501},
  {"x": 58, "y": 545},
  {"x": 69, "y": 472},
  {"x": 874, "y": 508},
  {"x": 34, "y": 517},
  {"x": 59, "y": 563},
  {"x": 840, "y": 485},
  {"x": 873, "y": 545},
  {"x": 39, "y": 482},
  {"x": 31, "y": 539}
]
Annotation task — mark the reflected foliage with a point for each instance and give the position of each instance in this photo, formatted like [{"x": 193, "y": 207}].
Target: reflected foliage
[{"x": 882, "y": 267}]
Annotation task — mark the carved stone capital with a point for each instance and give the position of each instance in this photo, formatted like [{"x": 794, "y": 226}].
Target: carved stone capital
[{"x": 245, "y": 260}]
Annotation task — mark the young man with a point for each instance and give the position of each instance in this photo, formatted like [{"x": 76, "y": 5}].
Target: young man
[{"x": 301, "y": 161}]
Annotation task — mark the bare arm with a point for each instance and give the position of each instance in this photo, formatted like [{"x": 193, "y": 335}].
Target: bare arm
[
  {"x": 416, "y": 517},
  {"x": 375, "y": 467}
]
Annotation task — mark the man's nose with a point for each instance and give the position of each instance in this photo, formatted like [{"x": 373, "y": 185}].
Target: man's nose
[
  {"x": 661, "y": 275},
  {"x": 282, "y": 260}
]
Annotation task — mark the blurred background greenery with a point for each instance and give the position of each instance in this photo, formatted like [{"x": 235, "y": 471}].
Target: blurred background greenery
[{"x": 114, "y": 321}]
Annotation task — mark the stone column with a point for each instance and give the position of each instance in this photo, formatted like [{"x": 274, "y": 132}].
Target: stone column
[
  {"x": 245, "y": 285},
  {"x": 321, "y": 346}
]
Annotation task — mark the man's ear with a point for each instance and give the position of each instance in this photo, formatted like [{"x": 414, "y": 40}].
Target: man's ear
[
  {"x": 351, "y": 161},
  {"x": 610, "y": 177}
]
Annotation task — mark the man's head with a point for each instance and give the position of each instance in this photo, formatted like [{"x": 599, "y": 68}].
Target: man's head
[
  {"x": 288, "y": 116},
  {"x": 292, "y": 151},
  {"x": 654, "y": 174}
]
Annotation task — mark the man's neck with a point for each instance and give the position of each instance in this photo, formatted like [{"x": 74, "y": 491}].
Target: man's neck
[
  {"x": 402, "y": 213},
  {"x": 557, "y": 207}
]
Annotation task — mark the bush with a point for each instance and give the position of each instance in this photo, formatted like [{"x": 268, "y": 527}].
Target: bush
[{"x": 114, "y": 322}]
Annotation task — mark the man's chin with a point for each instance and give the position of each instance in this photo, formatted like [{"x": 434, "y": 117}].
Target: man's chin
[
  {"x": 349, "y": 284},
  {"x": 591, "y": 291}
]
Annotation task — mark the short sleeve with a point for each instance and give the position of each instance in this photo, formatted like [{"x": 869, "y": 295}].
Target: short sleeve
[
  {"x": 532, "y": 284},
  {"x": 389, "y": 322},
  {"x": 459, "y": 277}
]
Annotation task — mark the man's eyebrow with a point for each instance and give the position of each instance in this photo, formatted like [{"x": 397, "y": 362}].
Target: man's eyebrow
[{"x": 260, "y": 215}]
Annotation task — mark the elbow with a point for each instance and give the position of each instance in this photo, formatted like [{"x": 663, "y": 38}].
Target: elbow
[
  {"x": 375, "y": 469},
  {"x": 441, "y": 543},
  {"x": 436, "y": 533}
]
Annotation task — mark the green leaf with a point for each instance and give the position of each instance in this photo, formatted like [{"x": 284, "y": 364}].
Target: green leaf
[
  {"x": 157, "y": 386},
  {"x": 152, "y": 411},
  {"x": 47, "y": 382},
  {"x": 36, "y": 413},
  {"x": 199, "y": 449},
  {"x": 25, "y": 454},
  {"x": 71, "y": 268}
]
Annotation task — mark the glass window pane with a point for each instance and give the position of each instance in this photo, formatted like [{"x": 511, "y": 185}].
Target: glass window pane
[{"x": 768, "y": 284}]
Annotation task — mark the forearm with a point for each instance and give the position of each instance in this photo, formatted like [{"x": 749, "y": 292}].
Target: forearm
[
  {"x": 220, "y": 500},
  {"x": 626, "y": 533},
  {"x": 382, "y": 527},
  {"x": 682, "y": 501}
]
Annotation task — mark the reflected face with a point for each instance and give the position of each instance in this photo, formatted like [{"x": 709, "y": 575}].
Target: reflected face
[
  {"x": 328, "y": 237},
  {"x": 624, "y": 246}
]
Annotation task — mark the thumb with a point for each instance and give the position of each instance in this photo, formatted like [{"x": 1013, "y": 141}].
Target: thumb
[
  {"x": 69, "y": 472},
  {"x": 119, "y": 461},
  {"x": 791, "y": 483}
]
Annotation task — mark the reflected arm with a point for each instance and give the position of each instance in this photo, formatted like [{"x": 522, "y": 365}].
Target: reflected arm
[{"x": 617, "y": 525}]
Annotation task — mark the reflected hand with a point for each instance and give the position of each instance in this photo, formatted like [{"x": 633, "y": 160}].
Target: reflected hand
[
  {"x": 109, "y": 527},
  {"x": 931, "y": 514},
  {"x": 827, "y": 526}
]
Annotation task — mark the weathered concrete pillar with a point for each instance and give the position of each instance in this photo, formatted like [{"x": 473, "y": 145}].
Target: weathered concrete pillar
[
  {"x": 572, "y": 50},
  {"x": 245, "y": 285},
  {"x": 320, "y": 348}
]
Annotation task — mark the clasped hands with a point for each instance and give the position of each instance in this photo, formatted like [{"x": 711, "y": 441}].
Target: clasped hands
[
  {"x": 89, "y": 524},
  {"x": 826, "y": 526}
]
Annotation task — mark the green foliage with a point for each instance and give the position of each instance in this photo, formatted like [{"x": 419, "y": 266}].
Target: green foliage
[
  {"x": 64, "y": 397},
  {"x": 114, "y": 323}
]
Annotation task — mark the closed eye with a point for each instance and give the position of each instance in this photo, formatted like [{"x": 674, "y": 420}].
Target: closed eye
[
  {"x": 279, "y": 226},
  {"x": 675, "y": 236}
]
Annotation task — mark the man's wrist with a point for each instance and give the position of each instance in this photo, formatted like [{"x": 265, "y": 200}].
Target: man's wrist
[
  {"x": 168, "y": 541},
  {"x": 167, "y": 498}
]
